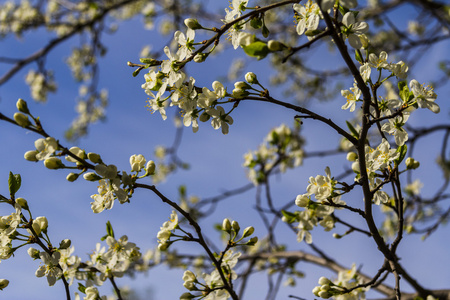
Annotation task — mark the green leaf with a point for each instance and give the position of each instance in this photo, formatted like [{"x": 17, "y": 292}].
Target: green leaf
[
  {"x": 352, "y": 129},
  {"x": 109, "y": 229},
  {"x": 290, "y": 217},
  {"x": 256, "y": 23},
  {"x": 257, "y": 49},
  {"x": 14, "y": 182},
  {"x": 402, "y": 150},
  {"x": 265, "y": 31},
  {"x": 358, "y": 56},
  {"x": 136, "y": 72},
  {"x": 81, "y": 288}
]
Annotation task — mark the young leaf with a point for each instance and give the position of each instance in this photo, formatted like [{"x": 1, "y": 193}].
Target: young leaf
[
  {"x": 257, "y": 49},
  {"x": 14, "y": 182}
]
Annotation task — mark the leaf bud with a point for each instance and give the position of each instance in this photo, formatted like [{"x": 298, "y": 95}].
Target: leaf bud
[
  {"x": 22, "y": 106},
  {"x": 21, "y": 119},
  {"x": 192, "y": 24},
  {"x": 53, "y": 163},
  {"x": 248, "y": 231},
  {"x": 64, "y": 244},
  {"x": 72, "y": 177},
  {"x": 31, "y": 155},
  {"x": 226, "y": 225},
  {"x": 251, "y": 78},
  {"x": 94, "y": 157}
]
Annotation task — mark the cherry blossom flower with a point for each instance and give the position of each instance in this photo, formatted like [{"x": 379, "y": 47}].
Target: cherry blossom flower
[{"x": 353, "y": 29}]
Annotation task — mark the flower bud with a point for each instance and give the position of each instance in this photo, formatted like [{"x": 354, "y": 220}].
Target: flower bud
[
  {"x": 22, "y": 106},
  {"x": 187, "y": 296},
  {"x": 22, "y": 202},
  {"x": 235, "y": 226},
  {"x": 251, "y": 78},
  {"x": 31, "y": 155},
  {"x": 323, "y": 280},
  {"x": 352, "y": 156},
  {"x": 43, "y": 223},
  {"x": 21, "y": 119},
  {"x": 324, "y": 294},
  {"x": 364, "y": 40},
  {"x": 192, "y": 24},
  {"x": 411, "y": 163},
  {"x": 53, "y": 163},
  {"x": 91, "y": 176},
  {"x": 72, "y": 177},
  {"x": 33, "y": 253},
  {"x": 64, "y": 244},
  {"x": 248, "y": 231},
  {"x": 275, "y": 45},
  {"x": 94, "y": 157},
  {"x": 355, "y": 167},
  {"x": 3, "y": 283},
  {"x": 200, "y": 57},
  {"x": 226, "y": 225},
  {"x": 150, "y": 168},
  {"x": 241, "y": 85},
  {"x": 316, "y": 291},
  {"x": 238, "y": 93}
]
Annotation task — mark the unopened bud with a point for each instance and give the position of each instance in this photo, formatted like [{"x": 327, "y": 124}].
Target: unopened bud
[
  {"x": 204, "y": 117},
  {"x": 72, "y": 177},
  {"x": 64, "y": 244},
  {"x": 192, "y": 24},
  {"x": 22, "y": 106},
  {"x": 150, "y": 168},
  {"x": 251, "y": 78},
  {"x": 3, "y": 283},
  {"x": 352, "y": 156},
  {"x": 94, "y": 157},
  {"x": 22, "y": 202},
  {"x": 91, "y": 176},
  {"x": 235, "y": 226},
  {"x": 242, "y": 85},
  {"x": 275, "y": 45},
  {"x": 53, "y": 163},
  {"x": 200, "y": 57},
  {"x": 33, "y": 253},
  {"x": 248, "y": 231},
  {"x": 323, "y": 280},
  {"x": 226, "y": 225},
  {"x": 22, "y": 119},
  {"x": 252, "y": 241}
]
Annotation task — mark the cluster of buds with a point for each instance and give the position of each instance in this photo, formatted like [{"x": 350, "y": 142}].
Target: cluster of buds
[{"x": 233, "y": 228}]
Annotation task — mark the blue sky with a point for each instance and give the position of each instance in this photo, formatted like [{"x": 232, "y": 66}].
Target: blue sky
[{"x": 216, "y": 165}]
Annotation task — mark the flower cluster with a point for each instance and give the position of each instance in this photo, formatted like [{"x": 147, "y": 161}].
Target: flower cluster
[
  {"x": 166, "y": 231},
  {"x": 282, "y": 147}
]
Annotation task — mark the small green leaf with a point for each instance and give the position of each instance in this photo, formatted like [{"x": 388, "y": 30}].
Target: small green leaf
[
  {"x": 136, "y": 72},
  {"x": 14, "y": 182},
  {"x": 257, "y": 49},
  {"x": 290, "y": 217},
  {"x": 256, "y": 23},
  {"x": 402, "y": 150},
  {"x": 81, "y": 288},
  {"x": 109, "y": 229},
  {"x": 352, "y": 129}
]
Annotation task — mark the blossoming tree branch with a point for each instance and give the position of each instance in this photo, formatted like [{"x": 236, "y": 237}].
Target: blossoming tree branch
[{"x": 373, "y": 196}]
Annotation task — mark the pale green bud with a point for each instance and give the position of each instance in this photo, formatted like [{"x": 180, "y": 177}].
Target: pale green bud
[
  {"x": 22, "y": 202},
  {"x": 200, "y": 57},
  {"x": 241, "y": 85},
  {"x": 91, "y": 176},
  {"x": 355, "y": 167},
  {"x": 72, "y": 177},
  {"x": 150, "y": 168},
  {"x": 235, "y": 226},
  {"x": 187, "y": 296},
  {"x": 33, "y": 253},
  {"x": 324, "y": 294},
  {"x": 251, "y": 78},
  {"x": 248, "y": 231},
  {"x": 94, "y": 157},
  {"x": 239, "y": 93},
  {"x": 352, "y": 156},
  {"x": 316, "y": 291},
  {"x": 411, "y": 163},
  {"x": 31, "y": 155},
  {"x": 53, "y": 163},
  {"x": 192, "y": 24},
  {"x": 323, "y": 280},
  {"x": 275, "y": 45},
  {"x": 22, "y": 119},
  {"x": 64, "y": 244},
  {"x": 3, "y": 283},
  {"x": 22, "y": 106},
  {"x": 226, "y": 225}
]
